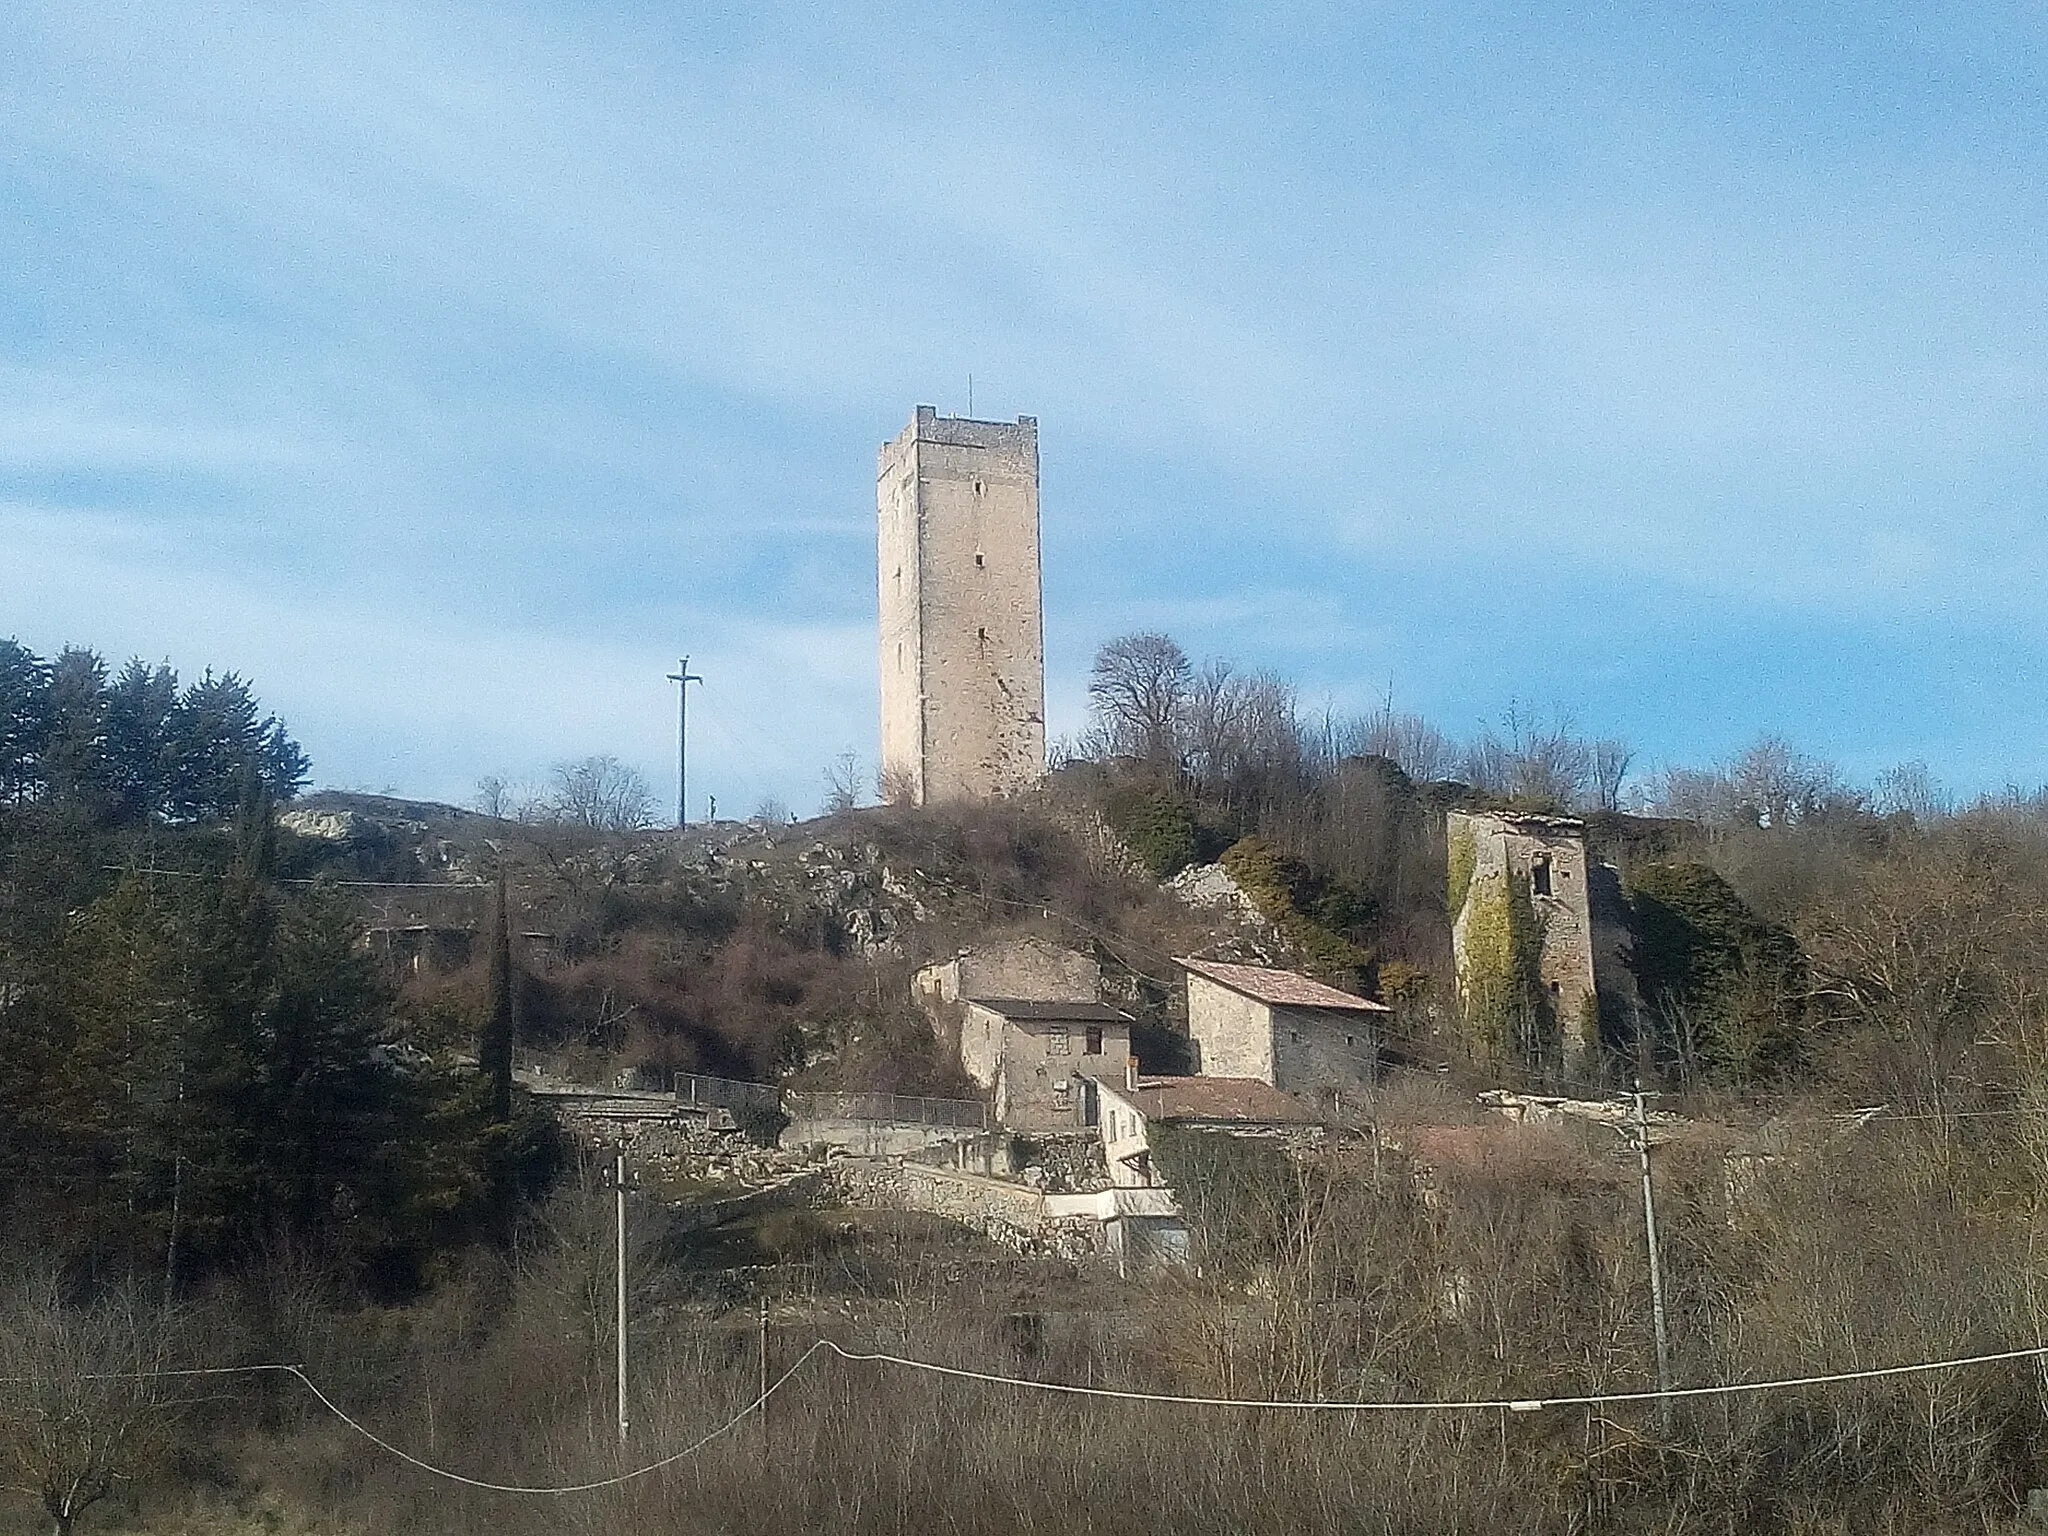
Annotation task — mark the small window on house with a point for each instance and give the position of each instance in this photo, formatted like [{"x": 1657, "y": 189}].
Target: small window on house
[
  {"x": 1350, "y": 1040},
  {"x": 1062, "y": 1094},
  {"x": 979, "y": 488},
  {"x": 1539, "y": 876},
  {"x": 980, "y": 558},
  {"x": 1556, "y": 990},
  {"x": 1057, "y": 1043},
  {"x": 1294, "y": 1035},
  {"x": 1092, "y": 1045}
]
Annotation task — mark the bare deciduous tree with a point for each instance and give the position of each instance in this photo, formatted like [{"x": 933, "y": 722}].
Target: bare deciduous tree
[
  {"x": 1909, "y": 789},
  {"x": 842, "y": 783},
  {"x": 496, "y": 796},
  {"x": 600, "y": 792},
  {"x": 1611, "y": 761},
  {"x": 81, "y": 1410},
  {"x": 1424, "y": 753},
  {"x": 1136, "y": 691},
  {"x": 1778, "y": 787}
]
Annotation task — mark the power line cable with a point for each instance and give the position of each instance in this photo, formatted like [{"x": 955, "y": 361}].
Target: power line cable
[
  {"x": 566, "y": 1488},
  {"x": 1072, "y": 1389},
  {"x": 1444, "y": 1405},
  {"x": 551, "y": 1490}
]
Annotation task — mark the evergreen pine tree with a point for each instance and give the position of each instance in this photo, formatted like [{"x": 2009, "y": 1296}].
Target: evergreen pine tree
[
  {"x": 24, "y": 720},
  {"x": 138, "y": 753}
]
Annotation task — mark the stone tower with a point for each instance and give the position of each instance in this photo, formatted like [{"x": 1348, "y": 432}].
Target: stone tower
[
  {"x": 1522, "y": 920},
  {"x": 963, "y": 648}
]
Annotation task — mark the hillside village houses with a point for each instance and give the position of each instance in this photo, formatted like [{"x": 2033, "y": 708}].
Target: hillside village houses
[{"x": 1274, "y": 1048}]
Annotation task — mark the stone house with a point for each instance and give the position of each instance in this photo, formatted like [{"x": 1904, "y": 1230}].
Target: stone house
[
  {"x": 1028, "y": 1016},
  {"x": 1521, "y": 905},
  {"x": 1031, "y": 1054},
  {"x": 1284, "y": 1030},
  {"x": 1129, "y": 1111}
]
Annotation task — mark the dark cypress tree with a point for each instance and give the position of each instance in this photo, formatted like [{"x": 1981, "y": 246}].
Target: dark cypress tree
[
  {"x": 215, "y": 738},
  {"x": 494, "y": 1051}
]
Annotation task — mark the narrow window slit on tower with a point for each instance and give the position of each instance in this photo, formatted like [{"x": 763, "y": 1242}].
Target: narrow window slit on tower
[
  {"x": 979, "y": 558},
  {"x": 1539, "y": 876}
]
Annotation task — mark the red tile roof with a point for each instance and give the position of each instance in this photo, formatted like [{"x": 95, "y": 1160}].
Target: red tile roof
[
  {"x": 1282, "y": 989},
  {"x": 1216, "y": 1098}
]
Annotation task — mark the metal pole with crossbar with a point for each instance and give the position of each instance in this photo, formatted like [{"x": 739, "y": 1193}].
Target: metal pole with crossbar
[{"x": 682, "y": 677}]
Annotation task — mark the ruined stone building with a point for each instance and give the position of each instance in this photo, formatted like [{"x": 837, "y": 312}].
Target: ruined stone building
[
  {"x": 1522, "y": 939},
  {"x": 963, "y": 650},
  {"x": 1027, "y": 967},
  {"x": 1033, "y": 1056},
  {"x": 1283, "y": 1029}
]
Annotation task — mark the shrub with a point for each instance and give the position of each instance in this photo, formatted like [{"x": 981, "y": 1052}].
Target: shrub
[
  {"x": 1500, "y": 987},
  {"x": 1277, "y": 886},
  {"x": 1158, "y": 828},
  {"x": 1722, "y": 984}
]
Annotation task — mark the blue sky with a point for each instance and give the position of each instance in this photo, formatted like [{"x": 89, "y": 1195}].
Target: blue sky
[{"x": 450, "y": 370}]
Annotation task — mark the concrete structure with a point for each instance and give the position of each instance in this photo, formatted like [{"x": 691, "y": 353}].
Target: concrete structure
[
  {"x": 1129, "y": 1112},
  {"x": 1030, "y": 1054},
  {"x": 1499, "y": 860},
  {"x": 1283, "y": 1029},
  {"x": 963, "y": 649}
]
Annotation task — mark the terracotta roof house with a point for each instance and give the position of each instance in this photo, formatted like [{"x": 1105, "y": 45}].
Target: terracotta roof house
[{"x": 1283, "y": 1029}]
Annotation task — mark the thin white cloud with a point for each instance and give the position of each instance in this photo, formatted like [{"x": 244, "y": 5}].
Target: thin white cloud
[{"x": 558, "y": 328}]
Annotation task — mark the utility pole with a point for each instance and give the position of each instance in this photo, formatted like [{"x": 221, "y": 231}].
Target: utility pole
[
  {"x": 619, "y": 1266},
  {"x": 762, "y": 1360},
  {"x": 1656, "y": 1267},
  {"x": 682, "y": 677}
]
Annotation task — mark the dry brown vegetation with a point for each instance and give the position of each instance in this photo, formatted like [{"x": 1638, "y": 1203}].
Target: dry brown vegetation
[{"x": 1349, "y": 1274}]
